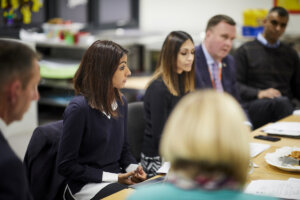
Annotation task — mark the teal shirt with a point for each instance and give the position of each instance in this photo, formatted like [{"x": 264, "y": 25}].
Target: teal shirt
[{"x": 166, "y": 191}]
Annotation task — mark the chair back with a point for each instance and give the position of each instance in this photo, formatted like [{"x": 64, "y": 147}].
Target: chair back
[
  {"x": 136, "y": 127},
  {"x": 40, "y": 162}
]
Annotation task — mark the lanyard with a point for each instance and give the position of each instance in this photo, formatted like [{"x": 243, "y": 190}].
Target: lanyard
[{"x": 212, "y": 78}]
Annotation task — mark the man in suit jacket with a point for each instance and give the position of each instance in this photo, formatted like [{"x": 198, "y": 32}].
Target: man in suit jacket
[
  {"x": 214, "y": 67},
  {"x": 220, "y": 33},
  {"x": 19, "y": 77}
]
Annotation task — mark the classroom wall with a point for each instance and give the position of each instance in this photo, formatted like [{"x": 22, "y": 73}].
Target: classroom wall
[{"x": 192, "y": 15}]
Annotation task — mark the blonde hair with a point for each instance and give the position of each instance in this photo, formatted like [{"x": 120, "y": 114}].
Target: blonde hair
[{"x": 208, "y": 127}]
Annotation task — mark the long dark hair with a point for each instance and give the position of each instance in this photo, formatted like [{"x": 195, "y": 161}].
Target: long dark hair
[
  {"x": 167, "y": 64},
  {"x": 93, "y": 78}
]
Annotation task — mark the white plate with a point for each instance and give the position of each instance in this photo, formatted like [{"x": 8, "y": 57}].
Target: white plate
[{"x": 273, "y": 158}]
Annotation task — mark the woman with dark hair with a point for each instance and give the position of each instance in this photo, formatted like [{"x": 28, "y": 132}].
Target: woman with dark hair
[
  {"x": 93, "y": 151},
  {"x": 173, "y": 78}
]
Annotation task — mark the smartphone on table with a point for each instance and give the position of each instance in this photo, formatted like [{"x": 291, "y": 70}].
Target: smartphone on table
[{"x": 267, "y": 137}]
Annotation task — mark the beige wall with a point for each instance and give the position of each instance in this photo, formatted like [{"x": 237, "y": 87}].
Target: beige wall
[{"x": 192, "y": 15}]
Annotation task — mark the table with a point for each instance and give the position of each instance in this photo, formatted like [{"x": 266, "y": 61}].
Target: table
[
  {"x": 264, "y": 171},
  {"x": 121, "y": 195}
]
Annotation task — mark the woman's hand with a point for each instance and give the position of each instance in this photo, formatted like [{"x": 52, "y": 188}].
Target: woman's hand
[
  {"x": 126, "y": 178},
  {"x": 139, "y": 175},
  {"x": 132, "y": 177}
]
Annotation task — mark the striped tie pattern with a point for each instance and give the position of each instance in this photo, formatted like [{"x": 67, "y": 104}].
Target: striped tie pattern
[{"x": 216, "y": 77}]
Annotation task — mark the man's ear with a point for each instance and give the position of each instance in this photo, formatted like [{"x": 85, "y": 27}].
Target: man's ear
[
  {"x": 264, "y": 21},
  {"x": 208, "y": 33},
  {"x": 14, "y": 91}
]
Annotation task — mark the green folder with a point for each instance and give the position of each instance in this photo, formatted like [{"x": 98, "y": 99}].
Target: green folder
[{"x": 58, "y": 70}]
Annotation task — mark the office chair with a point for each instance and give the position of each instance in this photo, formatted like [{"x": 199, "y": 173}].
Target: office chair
[
  {"x": 40, "y": 162},
  {"x": 135, "y": 128}
]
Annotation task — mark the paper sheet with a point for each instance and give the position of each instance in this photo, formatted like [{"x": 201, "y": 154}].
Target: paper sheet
[
  {"x": 283, "y": 128},
  {"x": 296, "y": 112},
  {"x": 257, "y": 148},
  {"x": 277, "y": 188},
  {"x": 164, "y": 169}
]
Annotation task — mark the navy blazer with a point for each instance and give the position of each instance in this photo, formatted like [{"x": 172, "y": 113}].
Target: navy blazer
[
  {"x": 229, "y": 83},
  {"x": 13, "y": 183},
  {"x": 40, "y": 162},
  {"x": 203, "y": 76}
]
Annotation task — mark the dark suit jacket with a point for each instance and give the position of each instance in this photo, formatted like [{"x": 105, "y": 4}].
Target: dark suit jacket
[
  {"x": 13, "y": 182},
  {"x": 229, "y": 83},
  {"x": 228, "y": 73},
  {"x": 40, "y": 162}
]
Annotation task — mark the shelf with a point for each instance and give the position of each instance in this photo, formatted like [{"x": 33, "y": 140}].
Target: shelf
[
  {"x": 56, "y": 91},
  {"x": 55, "y": 96},
  {"x": 57, "y": 101},
  {"x": 49, "y": 114},
  {"x": 55, "y": 83},
  {"x": 54, "y": 44}
]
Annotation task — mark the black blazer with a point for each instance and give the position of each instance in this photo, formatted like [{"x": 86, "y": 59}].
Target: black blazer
[
  {"x": 13, "y": 182},
  {"x": 40, "y": 162}
]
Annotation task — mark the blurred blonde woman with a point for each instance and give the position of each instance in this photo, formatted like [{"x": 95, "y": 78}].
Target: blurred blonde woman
[{"x": 206, "y": 142}]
